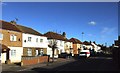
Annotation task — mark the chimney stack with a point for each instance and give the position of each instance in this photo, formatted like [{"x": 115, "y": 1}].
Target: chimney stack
[{"x": 64, "y": 34}]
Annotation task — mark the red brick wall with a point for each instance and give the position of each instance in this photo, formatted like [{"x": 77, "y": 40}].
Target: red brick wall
[
  {"x": 75, "y": 50},
  {"x": 33, "y": 60}
]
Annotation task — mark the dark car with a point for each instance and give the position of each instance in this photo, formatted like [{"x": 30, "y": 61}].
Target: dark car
[{"x": 63, "y": 55}]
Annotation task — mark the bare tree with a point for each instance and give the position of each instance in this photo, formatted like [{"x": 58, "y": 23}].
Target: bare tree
[{"x": 53, "y": 45}]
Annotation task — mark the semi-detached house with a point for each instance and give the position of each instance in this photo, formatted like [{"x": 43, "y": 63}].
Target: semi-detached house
[
  {"x": 33, "y": 42},
  {"x": 11, "y": 42},
  {"x": 77, "y": 45},
  {"x": 18, "y": 41},
  {"x": 51, "y": 36},
  {"x": 87, "y": 45}
]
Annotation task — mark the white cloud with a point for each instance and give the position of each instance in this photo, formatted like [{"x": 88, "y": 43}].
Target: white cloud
[
  {"x": 90, "y": 35},
  {"x": 107, "y": 30},
  {"x": 92, "y": 23}
]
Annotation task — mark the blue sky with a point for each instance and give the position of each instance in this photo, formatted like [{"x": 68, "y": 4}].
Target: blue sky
[{"x": 98, "y": 20}]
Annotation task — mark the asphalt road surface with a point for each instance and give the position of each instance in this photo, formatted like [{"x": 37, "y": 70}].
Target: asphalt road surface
[{"x": 94, "y": 64}]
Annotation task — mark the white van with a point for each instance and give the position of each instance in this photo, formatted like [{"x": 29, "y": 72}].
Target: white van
[{"x": 84, "y": 53}]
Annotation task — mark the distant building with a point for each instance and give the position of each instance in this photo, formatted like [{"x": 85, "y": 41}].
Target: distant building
[
  {"x": 87, "y": 45},
  {"x": 77, "y": 45},
  {"x": 55, "y": 37},
  {"x": 96, "y": 47}
]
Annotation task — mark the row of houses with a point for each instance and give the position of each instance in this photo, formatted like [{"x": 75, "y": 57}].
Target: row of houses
[{"x": 17, "y": 41}]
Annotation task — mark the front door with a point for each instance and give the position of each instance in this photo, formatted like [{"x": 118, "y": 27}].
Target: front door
[{"x": 36, "y": 52}]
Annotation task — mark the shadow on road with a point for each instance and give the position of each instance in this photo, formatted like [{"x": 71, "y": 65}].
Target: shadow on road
[{"x": 82, "y": 65}]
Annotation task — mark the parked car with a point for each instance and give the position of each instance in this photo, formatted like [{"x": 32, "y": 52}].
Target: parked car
[
  {"x": 63, "y": 55},
  {"x": 84, "y": 53}
]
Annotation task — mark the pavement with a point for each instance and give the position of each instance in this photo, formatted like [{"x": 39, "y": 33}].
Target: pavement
[{"x": 10, "y": 68}]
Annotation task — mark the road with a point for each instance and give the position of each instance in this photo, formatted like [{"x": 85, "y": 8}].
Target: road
[
  {"x": 97, "y": 64},
  {"x": 90, "y": 64}
]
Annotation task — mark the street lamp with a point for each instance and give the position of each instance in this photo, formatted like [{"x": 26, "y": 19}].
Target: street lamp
[{"x": 82, "y": 39}]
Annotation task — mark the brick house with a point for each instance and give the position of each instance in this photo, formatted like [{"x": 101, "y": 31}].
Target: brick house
[
  {"x": 11, "y": 42},
  {"x": 77, "y": 44},
  {"x": 22, "y": 44}
]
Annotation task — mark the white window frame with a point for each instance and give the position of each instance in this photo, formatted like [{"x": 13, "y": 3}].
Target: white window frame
[
  {"x": 13, "y": 37},
  {"x": 41, "y": 40},
  {"x": 13, "y": 52},
  {"x": 36, "y": 39},
  {"x": 29, "y": 39},
  {"x": 1, "y": 36},
  {"x": 29, "y": 52}
]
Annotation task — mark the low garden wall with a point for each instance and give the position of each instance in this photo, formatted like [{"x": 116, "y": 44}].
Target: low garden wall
[{"x": 30, "y": 60}]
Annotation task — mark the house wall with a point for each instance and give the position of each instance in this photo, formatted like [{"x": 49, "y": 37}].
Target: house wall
[
  {"x": 33, "y": 42},
  {"x": 3, "y": 57},
  {"x": 75, "y": 48},
  {"x": 96, "y": 48},
  {"x": 18, "y": 54},
  {"x": 88, "y": 46},
  {"x": 58, "y": 50},
  {"x": 6, "y": 38},
  {"x": 25, "y": 51},
  {"x": 67, "y": 46},
  {"x": 60, "y": 45},
  {"x": 17, "y": 45},
  {"x": 49, "y": 52}
]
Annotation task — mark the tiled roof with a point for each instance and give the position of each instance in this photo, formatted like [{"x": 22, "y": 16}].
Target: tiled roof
[
  {"x": 74, "y": 40},
  {"x": 19, "y": 28},
  {"x": 86, "y": 43},
  {"x": 8, "y": 26},
  {"x": 28, "y": 30},
  {"x": 53, "y": 35},
  {"x": 3, "y": 47}
]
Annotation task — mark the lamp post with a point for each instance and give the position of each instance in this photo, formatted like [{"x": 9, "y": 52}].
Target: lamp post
[{"x": 82, "y": 39}]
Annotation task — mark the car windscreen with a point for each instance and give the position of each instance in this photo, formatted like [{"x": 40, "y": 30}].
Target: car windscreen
[{"x": 82, "y": 52}]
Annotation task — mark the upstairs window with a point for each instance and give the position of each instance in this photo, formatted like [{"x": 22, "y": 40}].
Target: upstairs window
[
  {"x": 50, "y": 42},
  {"x": 1, "y": 36},
  {"x": 29, "y": 39},
  {"x": 13, "y": 37},
  {"x": 36, "y": 39},
  {"x": 41, "y": 40}
]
